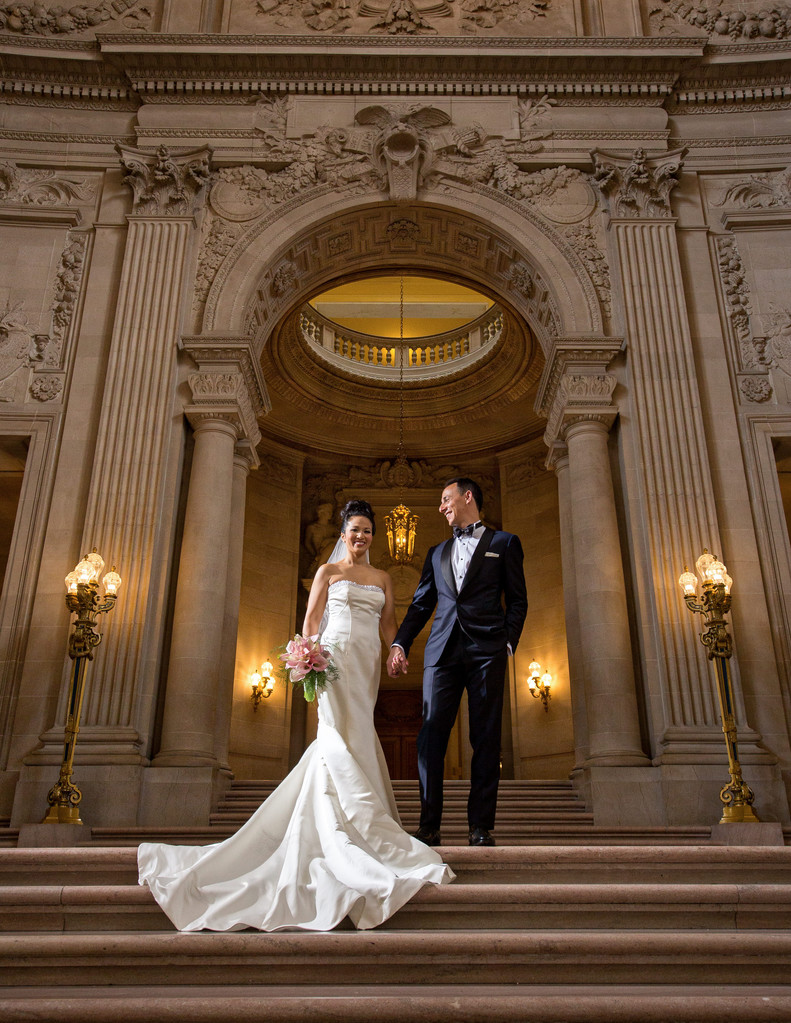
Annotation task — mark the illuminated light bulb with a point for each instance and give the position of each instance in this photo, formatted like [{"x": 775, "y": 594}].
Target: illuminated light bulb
[
  {"x": 688, "y": 583},
  {"x": 71, "y": 582},
  {"x": 112, "y": 582}
]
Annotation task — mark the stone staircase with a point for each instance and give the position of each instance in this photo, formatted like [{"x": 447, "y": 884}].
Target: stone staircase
[{"x": 597, "y": 931}]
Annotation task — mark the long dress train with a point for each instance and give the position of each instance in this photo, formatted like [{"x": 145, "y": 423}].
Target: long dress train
[{"x": 327, "y": 843}]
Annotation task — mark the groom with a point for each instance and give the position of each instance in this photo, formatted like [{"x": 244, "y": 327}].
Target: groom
[{"x": 477, "y": 585}]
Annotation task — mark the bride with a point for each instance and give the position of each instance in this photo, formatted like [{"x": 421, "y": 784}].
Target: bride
[{"x": 327, "y": 843}]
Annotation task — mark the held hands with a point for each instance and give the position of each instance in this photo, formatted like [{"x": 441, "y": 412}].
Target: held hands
[{"x": 397, "y": 664}]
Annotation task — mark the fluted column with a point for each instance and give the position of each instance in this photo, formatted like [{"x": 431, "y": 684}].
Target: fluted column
[
  {"x": 227, "y": 390},
  {"x": 559, "y": 461},
  {"x": 576, "y": 395},
  {"x": 132, "y": 489},
  {"x": 245, "y": 458},
  {"x": 673, "y": 467}
]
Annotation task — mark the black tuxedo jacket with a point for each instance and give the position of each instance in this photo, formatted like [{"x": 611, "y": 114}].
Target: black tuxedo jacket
[{"x": 490, "y": 607}]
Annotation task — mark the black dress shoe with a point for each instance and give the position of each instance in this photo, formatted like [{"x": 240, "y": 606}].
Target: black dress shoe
[
  {"x": 429, "y": 836},
  {"x": 480, "y": 836}
]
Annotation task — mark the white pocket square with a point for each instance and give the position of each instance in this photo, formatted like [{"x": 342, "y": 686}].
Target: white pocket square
[{"x": 491, "y": 554}]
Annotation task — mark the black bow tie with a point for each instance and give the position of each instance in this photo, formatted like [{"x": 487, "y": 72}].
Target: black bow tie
[{"x": 465, "y": 530}]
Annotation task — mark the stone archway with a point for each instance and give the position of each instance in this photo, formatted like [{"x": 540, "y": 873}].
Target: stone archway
[{"x": 276, "y": 263}]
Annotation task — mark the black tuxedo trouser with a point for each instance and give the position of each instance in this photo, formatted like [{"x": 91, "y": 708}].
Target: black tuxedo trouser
[{"x": 461, "y": 667}]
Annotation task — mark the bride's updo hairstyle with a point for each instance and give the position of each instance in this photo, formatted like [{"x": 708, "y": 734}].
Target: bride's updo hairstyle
[{"x": 357, "y": 507}]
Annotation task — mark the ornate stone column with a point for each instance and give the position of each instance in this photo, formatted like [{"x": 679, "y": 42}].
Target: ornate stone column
[
  {"x": 559, "y": 461},
  {"x": 227, "y": 394},
  {"x": 576, "y": 394},
  {"x": 132, "y": 485},
  {"x": 671, "y": 462},
  {"x": 245, "y": 459}
]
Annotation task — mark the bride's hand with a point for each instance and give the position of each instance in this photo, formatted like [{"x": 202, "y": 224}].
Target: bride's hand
[{"x": 397, "y": 664}]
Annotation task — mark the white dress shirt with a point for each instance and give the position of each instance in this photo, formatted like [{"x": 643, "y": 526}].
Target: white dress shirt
[{"x": 462, "y": 552}]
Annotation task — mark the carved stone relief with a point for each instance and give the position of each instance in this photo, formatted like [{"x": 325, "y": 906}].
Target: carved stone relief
[
  {"x": 34, "y": 19},
  {"x": 16, "y": 346},
  {"x": 640, "y": 187},
  {"x": 754, "y": 354},
  {"x": 406, "y": 17},
  {"x": 528, "y": 471},
  {"x": 756, "y": 20},
  {"x": 406, "y": 151},
  {"x": 35, "y": 187},
  {"x": 46, "y": 388},
  {"x": 164, "y": 184},
  {"x": 759, "y": 191},
  {"x": 585, "y": 243}
]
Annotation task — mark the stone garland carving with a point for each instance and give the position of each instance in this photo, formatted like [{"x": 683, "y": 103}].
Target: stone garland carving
[
  {"x": 42, "y": 187},
  {"x": 640, "y": 187},
  {"x": 760, "y": 191},
  {"x": 36, "y": 19},
  {"x": 752, "y": 352},
  {"x": 67, "y": 289},
  {"x": 219, "y": 239},
  {"x": 583, "y": 240},
  {"x": 765, "y": 23},
  {"x": 399, "y": 17},
  {"x": 165, "y": 184}
]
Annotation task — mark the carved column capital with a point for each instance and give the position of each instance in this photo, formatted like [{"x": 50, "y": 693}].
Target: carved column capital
[
  {"x": 227, "y": 385},
  {"x": 166, "y": 184},
  {"x": 637, "y": 187},
  {"x": 576, "y": 387}
]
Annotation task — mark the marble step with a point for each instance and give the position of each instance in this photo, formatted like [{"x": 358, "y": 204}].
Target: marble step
[
  {"x": 523, "y": 907},
  {"x": 595, "y": 864},
  {"x": 495, "y": 1003},
  {"x": 359, "y": 958}
]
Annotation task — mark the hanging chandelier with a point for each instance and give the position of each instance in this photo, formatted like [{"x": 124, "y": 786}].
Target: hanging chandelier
[{"x": 400, "y": 523}]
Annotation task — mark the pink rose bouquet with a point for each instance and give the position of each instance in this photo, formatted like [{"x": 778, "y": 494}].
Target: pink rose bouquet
[{"x": 308, "y": 663}]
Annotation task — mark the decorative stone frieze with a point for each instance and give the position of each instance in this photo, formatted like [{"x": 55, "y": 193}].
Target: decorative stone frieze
[
  {"x": 638, "y": 187},
  {"x": 34, "y": 19},
  {"x": 723, "y": 24},
  {"x": 759, "y": 191},
  {"x": 413, "y": 18},
  {"x": 227, "y": 385},
  {"x": 34, "y": 187},
  {"x": 165, "y": 184},
  {"x": 584, "y": 242}
]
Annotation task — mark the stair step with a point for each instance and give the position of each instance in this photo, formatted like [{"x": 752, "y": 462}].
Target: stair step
[
  {"x": 527, "y": 907},
  {"x": 360, "y": 958},
  {"x": 94, "y": 865},
  {"x": 495, "y": 1003}
]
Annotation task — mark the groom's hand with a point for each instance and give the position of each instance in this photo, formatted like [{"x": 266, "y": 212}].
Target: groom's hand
[{"x": 397, "y": 664}]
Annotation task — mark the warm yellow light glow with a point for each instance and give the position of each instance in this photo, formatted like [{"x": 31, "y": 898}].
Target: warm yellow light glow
[
  {"x": 546, "y": 678},
  {"x": 112, "y": 583},
  {"x": 401, "y": 526},
  {"x": 71, "y": 582},
  {"x": 688, "y": 583}
]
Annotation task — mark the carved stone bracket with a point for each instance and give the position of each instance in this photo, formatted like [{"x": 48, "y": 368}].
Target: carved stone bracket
[
  {"x": 227, "y": 384},
  {"x": 575, "y": 385},
  {"x": 637, "y": 187},
  {"x": 165, "y": 184}
]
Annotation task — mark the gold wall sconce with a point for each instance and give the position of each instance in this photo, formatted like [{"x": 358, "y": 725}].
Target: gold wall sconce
[
  {"x": 736, "y": 797},
  {"x": 539, "y": 684},
  {"x": 262, "y": 682}
]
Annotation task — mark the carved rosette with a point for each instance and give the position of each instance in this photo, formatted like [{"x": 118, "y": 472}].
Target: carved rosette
[
  {"x": 576, "y": 387},
  {"x": 227, "y": 385},
  {"x": 638, "y": 188},
  {"x": 165, "y": 184}
]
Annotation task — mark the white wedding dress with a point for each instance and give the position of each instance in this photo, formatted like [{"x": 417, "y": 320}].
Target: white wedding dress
[{"x": 327, "y": 843}]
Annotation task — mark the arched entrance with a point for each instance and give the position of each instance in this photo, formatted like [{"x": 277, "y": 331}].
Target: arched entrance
[{"x": 332, "y": 433}]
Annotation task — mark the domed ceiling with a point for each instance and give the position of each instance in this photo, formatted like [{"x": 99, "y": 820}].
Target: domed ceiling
[{"x": 479, "y": 403}]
